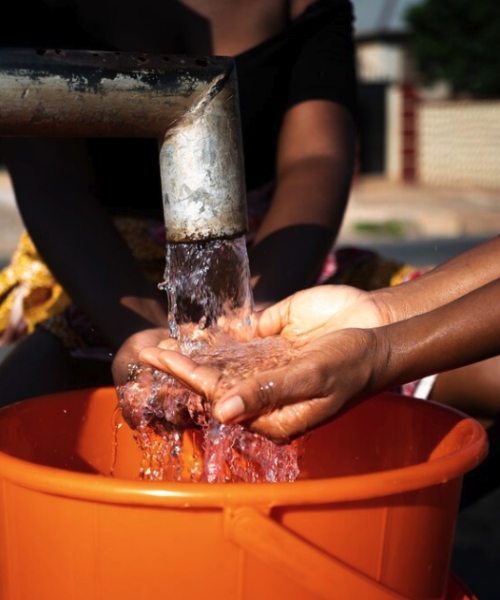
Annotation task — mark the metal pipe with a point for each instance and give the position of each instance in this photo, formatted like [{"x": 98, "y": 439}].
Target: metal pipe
[{"x": 189, "y": 104}]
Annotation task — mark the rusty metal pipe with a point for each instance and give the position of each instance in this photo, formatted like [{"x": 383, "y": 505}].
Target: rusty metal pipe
[{"x": 190, "y": 105}]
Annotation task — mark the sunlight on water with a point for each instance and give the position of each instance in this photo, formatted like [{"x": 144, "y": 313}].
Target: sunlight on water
[{"x": 209, "y": 293}]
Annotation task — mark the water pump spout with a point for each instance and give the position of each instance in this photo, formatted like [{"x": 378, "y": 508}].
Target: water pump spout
[{"x": 189, "y": 104}]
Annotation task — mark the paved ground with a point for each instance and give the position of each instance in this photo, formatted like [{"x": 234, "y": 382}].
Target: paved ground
[
  {"x": 423, "y": 226},
  {"x": 418, "y": 212}
]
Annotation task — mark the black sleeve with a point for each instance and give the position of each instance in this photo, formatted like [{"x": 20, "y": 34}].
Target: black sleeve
[{"x": 325, "y": 65}]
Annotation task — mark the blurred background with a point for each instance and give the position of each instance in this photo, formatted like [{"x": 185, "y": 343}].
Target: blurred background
[
  {"x": 428, "y": 184},
  {"x": 429, "y": 113},
  {"x": 428, "y": 180},
  {"x": 429, "y": 126}
]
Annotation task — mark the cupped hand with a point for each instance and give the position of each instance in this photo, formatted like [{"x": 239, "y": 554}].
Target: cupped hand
[
  {"x": 128, "y": 354},
  {"x": 317, "y": 311},
  {"x": 326, "y": 375}
]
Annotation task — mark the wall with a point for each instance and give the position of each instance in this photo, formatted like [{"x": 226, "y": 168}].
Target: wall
[
  {"x": 459, "y": 143},
  {"x": 380, "y": 62}
]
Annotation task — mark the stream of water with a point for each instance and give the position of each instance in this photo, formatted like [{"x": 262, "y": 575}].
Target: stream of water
[{"x": 210, "y": 300}]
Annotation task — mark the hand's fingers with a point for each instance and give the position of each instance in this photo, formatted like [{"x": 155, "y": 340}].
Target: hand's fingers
[
  {"x": 290, "y": 422},
  {"x": 261, "y": 306},
  {"x": 119, "y": 369},
  {"x": 271, "y": 390},
  {"x": 202, "y": 379},
  {"x": 274, "y": 319},
  {"x": 169, "y": 344}
]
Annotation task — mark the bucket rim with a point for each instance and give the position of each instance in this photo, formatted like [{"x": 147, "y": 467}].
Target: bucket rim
[{"x": 363, "y": 487}]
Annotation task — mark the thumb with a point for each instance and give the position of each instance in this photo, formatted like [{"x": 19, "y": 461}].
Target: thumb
[{"x": 272, "y": 320}]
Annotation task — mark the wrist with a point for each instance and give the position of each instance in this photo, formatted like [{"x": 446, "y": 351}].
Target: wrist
[
  {"x": 397, "y": 303},
  {"x": 403, "y": 350},
  {"x": 380, "y": 357},
  {"x": 387, "y": 306},
  {"x": 366, "y": 354}
]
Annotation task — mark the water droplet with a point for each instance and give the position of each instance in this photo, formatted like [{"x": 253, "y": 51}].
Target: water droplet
[{"x": 207, "y": 305}]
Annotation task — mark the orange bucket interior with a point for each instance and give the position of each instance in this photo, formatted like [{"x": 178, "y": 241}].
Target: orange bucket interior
[{"x": 372, "y": 516}]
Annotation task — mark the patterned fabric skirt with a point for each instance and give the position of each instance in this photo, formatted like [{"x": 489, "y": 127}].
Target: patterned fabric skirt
[{"x": 31, "y": 297}]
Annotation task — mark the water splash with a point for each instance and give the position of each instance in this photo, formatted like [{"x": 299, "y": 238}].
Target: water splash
[{"x": 209, "y": 293}]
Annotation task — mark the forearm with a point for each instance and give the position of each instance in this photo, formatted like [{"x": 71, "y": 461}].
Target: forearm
[
  {"x": 447, "y": 282},
  {"x": 300, "y": 228},
  {"x": 465, "y": 331},
  {"x": 314, "y": 167},
  {"x": 78, "y": 240},
  {"x": 99, "y": 273},
  {"x": 104, "y": 280},
  {"x": 311, "y": 190}
]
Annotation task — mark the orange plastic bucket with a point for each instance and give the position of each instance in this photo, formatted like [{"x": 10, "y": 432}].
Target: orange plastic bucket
[{"x": 372, "y": 518}]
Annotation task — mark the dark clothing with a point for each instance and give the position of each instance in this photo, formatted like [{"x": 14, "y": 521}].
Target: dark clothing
[{"x": 313, "y": 58}]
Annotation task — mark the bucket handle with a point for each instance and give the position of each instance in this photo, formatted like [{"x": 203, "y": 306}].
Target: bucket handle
[{"x": 323, "y": 575}]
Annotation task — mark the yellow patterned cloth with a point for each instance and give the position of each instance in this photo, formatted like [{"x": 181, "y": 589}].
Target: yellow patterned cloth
[
  {"x": 30, "y": 295},
  {"x": 366, "y": 270}
]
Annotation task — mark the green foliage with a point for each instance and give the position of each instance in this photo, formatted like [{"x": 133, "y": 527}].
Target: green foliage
[
  {"x": 458, "y": 41},
  {"x": 382, "y": 228}
]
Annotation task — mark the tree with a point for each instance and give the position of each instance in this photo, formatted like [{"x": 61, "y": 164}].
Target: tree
[{"x": 458, "y": 41}]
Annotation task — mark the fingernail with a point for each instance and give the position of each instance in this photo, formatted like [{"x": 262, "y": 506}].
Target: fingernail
[{"x": 230, "y": 409}]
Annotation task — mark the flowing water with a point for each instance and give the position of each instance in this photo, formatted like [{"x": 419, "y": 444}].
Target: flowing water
[{"x": 210, "y": 299}]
